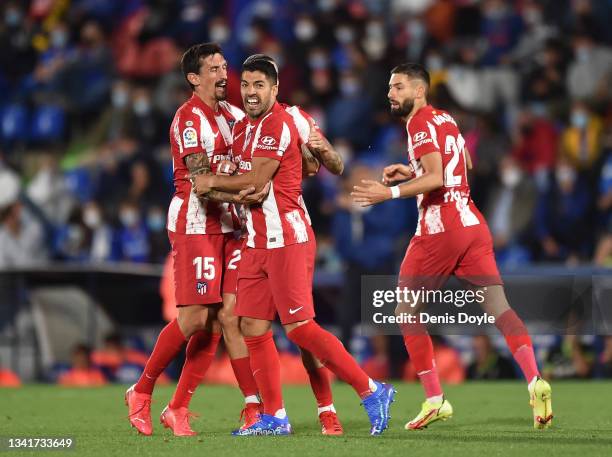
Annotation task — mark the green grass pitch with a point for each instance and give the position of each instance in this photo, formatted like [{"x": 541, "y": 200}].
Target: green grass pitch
[{"x": 491, "y": 419}]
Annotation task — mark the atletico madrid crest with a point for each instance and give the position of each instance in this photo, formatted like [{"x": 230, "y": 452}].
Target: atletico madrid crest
[{"x": 201, "y": 287}]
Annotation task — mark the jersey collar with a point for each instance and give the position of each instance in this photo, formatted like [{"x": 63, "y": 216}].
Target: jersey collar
[
  {"x": 421, "y": 109},
  {"x": 197, "y": 101}
]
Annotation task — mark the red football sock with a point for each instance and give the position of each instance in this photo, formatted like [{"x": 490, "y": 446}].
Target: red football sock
[
  {"x": 169, "y": 343},
  {"x": 330, "y": 351},
  {"x": 200, "y": 353},
  {"x": 265, "y": 366},
  {"x": 244, "y": 376},
  {"x": 519, "y": 342},
  {"x": 321, "y": 386},
  {"x": 420, "y": 349}
]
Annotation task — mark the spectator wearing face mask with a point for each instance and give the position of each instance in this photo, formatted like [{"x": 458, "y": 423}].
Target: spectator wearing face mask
[
  {"x": 101, "y": 244},
  {"x": 563, "y": 224},
  {"x": 86, "y": 82},
  {"x": 350, "y": 114},
  {"x": 73, "y": 239},
  {"x": 18, "y": 56},
  {"x": 53, "y": 61},
  {"x": 581, "y": 141},
  {"x": 22, "y": 242},
  {"x": 132, "y": 237},
  {"x": 588, "y": 75},
  {"x": 143, "y": 121},
  {"x": 158, "y": 236},
  {"x": 535, "y": 143},
  {"x": 510, "y": 211},
  {"x": 111, "y": 125}
]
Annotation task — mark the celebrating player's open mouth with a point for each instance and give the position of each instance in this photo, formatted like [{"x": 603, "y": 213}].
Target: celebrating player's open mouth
[
  {"x": 221, "y": 89},
  {"x": 252, "y": 102}
]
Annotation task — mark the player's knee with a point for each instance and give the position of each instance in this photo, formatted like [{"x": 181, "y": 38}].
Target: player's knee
[
  {"x": 192, "y": 319},
  {"x": 248, "y": 327},
  {"x": 228, "y": 320},
  {"x": 289, "y": 327}
]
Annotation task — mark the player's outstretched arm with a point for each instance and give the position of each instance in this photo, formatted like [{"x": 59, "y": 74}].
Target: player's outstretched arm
[
  {"x": 322, "y": 149},
  {"x": 262, "y": 172},
  {"x": 373, "y": 192},
  {"x": 396, "y": 172},
  {"x": 198, "y": 165}
]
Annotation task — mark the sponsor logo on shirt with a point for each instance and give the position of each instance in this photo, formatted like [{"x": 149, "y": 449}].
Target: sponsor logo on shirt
[
  {"x": 268, "y": 141},
  {"x": 422, "y": 142},
  {"x": 219, "y": 157},
  {"x": 419, "y": 136}
]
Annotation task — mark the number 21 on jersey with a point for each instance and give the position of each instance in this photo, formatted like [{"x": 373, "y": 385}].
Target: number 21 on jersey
[{"x": 454, "y": 146}]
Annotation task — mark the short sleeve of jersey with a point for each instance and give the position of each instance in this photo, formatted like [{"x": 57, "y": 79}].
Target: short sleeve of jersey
[
  {"x": 422, "y": 137},
  {"x": 187, "y": 134},
  {"x": 236, "y": 112},
  {"x": 273, "y": 139}
]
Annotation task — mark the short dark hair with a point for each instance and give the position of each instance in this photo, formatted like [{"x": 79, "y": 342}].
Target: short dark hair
[
  {"x": 263, "y": 63},
  {"x": 413, "y": 71},
  {"x": 191, "y": 61}
]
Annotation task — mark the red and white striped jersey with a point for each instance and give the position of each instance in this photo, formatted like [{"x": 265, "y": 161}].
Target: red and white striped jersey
[
  {"x": 281, "y": 219},
  {"x": 450, "y": 207},
  {"x": 198, "y": 129}
]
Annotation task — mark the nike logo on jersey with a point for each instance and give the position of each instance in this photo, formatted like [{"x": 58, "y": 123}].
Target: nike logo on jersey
[
  {"x": 139, "y": 419},
  {"x": 293, "y": 311}
]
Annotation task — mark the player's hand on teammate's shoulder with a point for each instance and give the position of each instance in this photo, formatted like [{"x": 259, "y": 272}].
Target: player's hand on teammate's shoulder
[
  {"x": 315, "y": 141},
  {"x": 248, "y": 196},
  {"x": 226, "y": 168},
  {"x": 370, "y": 193},
  {"x": 397, "y": 172}
]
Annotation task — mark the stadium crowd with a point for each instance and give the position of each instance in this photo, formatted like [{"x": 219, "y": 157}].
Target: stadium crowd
[{"x": 88, "y": 89}]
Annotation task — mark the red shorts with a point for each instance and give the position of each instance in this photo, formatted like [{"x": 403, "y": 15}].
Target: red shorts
[
  {"x": 277, "y": 280},
  {"x": 205, "y": 266},
  {"x": 466, "y": 253}
]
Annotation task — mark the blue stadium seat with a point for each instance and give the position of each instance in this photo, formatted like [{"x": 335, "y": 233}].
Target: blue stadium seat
[
  {"x": 48, "y": 124},
  {"x": 79, "y": 183},
  {"x": 14, "y": 123}
]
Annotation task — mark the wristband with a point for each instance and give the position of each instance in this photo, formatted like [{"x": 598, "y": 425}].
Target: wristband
[{"x": 395, "y": 192}]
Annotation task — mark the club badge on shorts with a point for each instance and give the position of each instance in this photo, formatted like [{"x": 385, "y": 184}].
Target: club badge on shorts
[{"x": 201, "y": 287}]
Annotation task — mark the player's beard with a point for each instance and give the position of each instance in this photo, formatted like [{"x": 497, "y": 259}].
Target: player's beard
[
  {"x": 263, "y": 107},
  {"x": 404, "y": 109},
  {"x": 221, "y": 94}
]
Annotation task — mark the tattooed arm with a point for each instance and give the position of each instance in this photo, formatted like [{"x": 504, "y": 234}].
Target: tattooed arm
[{"x": 198, "y": 164}]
